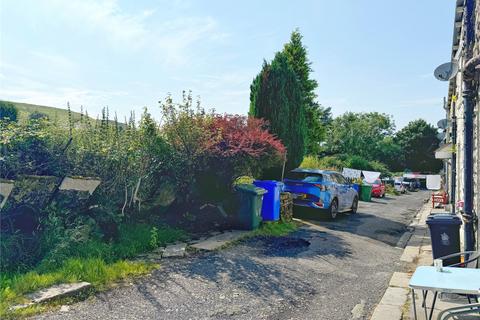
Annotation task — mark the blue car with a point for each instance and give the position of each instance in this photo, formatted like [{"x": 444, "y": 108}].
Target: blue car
[{"x": 321, "y": 189}]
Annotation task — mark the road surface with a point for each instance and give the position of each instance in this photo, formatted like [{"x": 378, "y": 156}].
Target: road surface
[{"x": 325, "y": 270}]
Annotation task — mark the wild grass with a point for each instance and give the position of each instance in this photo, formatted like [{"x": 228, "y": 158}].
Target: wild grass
[{"x": 275, "y": 229}]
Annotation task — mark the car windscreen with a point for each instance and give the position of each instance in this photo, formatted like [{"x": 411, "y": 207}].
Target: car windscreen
[{"x": 305, "y": 176}]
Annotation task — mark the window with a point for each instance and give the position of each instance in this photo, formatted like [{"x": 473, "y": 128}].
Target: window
[
  {"x": 305, "y": 176},
  {"x": 340, "y": 179}
]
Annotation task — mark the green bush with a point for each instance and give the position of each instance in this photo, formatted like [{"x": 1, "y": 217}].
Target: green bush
[
  {"x": 338, "y": 162},
  {"x": 323, "y": 163}
]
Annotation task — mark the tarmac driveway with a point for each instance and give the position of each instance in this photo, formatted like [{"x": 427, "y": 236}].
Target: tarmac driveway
[{"x": 325, "y": 270}]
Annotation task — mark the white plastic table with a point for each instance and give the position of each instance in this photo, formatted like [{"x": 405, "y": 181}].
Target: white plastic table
[{"x": 450, "y": 280}]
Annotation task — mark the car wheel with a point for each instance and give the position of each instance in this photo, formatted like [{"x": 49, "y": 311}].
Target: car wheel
[
  {"x": 333, "y": 209},
  {"x": 354, "y": 205}
]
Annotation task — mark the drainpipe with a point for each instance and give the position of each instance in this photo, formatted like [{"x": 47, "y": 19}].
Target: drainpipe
[
  {"x": 468, "y": 102},
  {"x": 454, "y": 159}
]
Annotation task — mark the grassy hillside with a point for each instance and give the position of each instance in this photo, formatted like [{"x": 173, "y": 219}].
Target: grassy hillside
[{"x": 61, "y": 115}]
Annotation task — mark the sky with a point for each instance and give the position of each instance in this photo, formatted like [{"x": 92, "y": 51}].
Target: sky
[{"x": 369, "y": 55}]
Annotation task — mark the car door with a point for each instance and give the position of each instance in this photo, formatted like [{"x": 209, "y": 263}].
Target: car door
[{"x": 342, "y": 187}]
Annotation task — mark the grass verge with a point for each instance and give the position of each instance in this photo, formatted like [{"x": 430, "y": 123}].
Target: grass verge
[
  {"x": 96, "y": 271},
  {"x": 94, "y": 261}
]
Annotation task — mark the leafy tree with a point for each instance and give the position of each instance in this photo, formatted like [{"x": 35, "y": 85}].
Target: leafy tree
[
  {"x": 8, "y": 111},
  {"x": 390, "y": 153},
  {"x": 362, "y": 134},
  {"x": 317, "y": 117},
  {"x": 276, "y": 95},
  {"x": 418, "y": 141}
]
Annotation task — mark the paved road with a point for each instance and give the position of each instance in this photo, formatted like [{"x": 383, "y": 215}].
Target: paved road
[{"x": 323, "y": 271}]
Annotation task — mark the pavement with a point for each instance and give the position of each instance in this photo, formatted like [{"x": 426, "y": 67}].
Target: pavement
[
  {"x": 396, "y": 304},
  {"x": 326, "y": 270}
]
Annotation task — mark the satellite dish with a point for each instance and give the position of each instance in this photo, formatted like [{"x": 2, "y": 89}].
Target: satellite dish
[
  {"x": 441, "y": 136},
  {"x": 446, "y": 71},
  {"x": 443, "y": 124}
]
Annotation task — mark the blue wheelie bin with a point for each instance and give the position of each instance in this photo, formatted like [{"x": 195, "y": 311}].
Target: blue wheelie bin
[
  {"x": 445, "y": 236},
  {"x": 271, "y": 200}
]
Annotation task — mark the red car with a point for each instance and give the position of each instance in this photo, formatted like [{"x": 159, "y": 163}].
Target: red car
[{"x": 378, "y": 189}]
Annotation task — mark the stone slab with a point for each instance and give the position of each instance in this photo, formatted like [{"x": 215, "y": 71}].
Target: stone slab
[
  {"x": 175, "y": 250},
  {"x": 57, "y": 291},
  {"x": 399, "y": 279},
  {"x": 217, "y": 241},
  {"x": 5, "y": 190},
  {"x": 80, "y": 184}
]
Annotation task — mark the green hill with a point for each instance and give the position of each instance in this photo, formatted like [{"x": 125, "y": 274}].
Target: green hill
[{"x": 61, "y": 115}]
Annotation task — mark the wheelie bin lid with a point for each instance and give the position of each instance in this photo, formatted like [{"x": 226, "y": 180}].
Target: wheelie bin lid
[
  {"x": 268, "y": 182},
  {"x": 250, "y": 188},
  {"x": 443, "y": 218}
]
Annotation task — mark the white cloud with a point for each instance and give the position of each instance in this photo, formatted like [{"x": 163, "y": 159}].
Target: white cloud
[
  {"x": 22, "y": 88},
  {"x": 171, "y": 40}
]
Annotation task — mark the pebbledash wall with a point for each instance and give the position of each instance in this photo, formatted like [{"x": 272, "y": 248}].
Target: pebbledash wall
[{"x": 455, "y": 110}]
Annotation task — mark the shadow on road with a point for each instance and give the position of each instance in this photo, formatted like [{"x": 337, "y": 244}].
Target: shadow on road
[
  {"x": 375, "y": 226},
  {"x": 262, "y": 266}
]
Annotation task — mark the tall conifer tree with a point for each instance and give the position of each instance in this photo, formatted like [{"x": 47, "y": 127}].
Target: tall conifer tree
[{"x": 276, "y": 95}]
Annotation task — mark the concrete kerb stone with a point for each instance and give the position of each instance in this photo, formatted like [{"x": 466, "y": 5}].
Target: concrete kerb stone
[
  {"x": 384, "y": 311},
  {"x": 410, "y": 253},
  {"x": 400, "y": 280}
]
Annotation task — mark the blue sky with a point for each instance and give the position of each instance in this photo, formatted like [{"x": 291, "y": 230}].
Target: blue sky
[{"x": 369, "y": 55}]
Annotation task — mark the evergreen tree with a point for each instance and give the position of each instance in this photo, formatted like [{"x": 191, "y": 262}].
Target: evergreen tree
[
  {"x": 276, "y": 95},
  {"x": 8, "y": 111},
  {"x": 315, "y": 114}
]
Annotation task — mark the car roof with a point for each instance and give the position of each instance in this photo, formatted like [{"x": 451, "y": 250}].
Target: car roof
[{"x": 317, "y": 171}]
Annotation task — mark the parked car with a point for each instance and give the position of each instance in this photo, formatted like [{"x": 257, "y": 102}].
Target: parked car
[
  {"x": 321, "y": 189},
  {"x": 399, "y": 186},
  {"x": 411, "y": 184},
  {"x": 378, "y": 189}
]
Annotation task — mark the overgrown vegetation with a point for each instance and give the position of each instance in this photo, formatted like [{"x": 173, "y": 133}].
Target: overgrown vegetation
[
  {"x": 153, "y": 174},
  {"x": 147, "y": 170}
]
